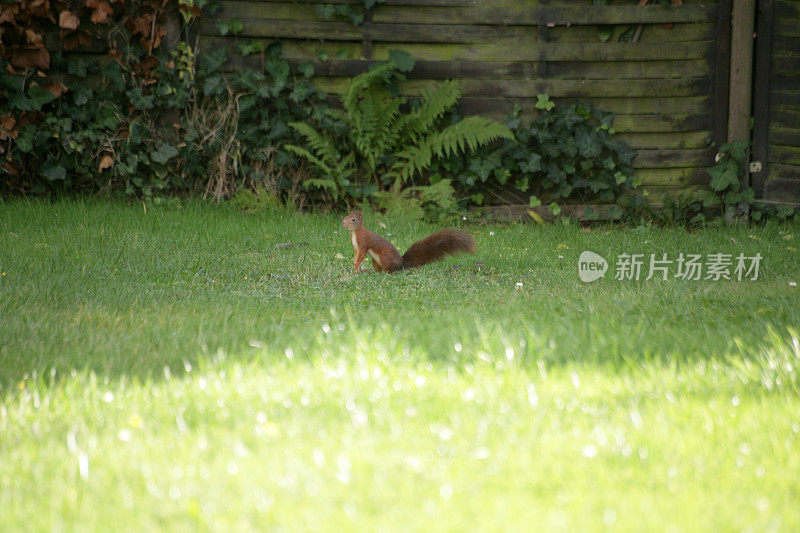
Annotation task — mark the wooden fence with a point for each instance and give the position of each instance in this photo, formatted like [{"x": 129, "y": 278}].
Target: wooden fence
[
  {"x": 776, "y": 141},
  {"x": 669, "y": 89}
]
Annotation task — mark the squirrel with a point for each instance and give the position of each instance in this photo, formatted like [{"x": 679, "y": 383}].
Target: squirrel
[{"x": 386, "y": 258}]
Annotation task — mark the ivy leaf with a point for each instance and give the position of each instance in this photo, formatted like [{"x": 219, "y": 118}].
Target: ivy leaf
[
  {"x": 533, "y": 164},
  {"x": 233, "y": 26},
  {"x": 534, "y": 201},
  {"x": 77, "y": 67},
  {"x": 164, "y": 153},
  {"x": 604, "y": 32},
  {"x": 625, "y": 153},
  {"x": 543, "y": 102},
  {"x": 38, "y": 97},
  {"x": 402, "y": 60},
  {"x": 213, "y": 85},
  {"x": 627, "y": 35},
  {"x": 25, "y": 139},
  {"x": 326, "y": 11},
  {"x": 306, "y": 69},
  {"x": 53, "y": 171},
  {"x": 253, "y": 47},
  {"x": 213, "y": 60},
  {"x": 555, "y": 209},
  {"x": 587, "y": 144},
  {"x": 140, "y": 100},
  {"x": 300, "y": 92}
]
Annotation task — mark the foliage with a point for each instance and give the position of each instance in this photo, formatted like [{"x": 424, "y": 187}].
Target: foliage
[
  {"x": 347, "y": 11},
  {"x": 373, "y": 142},
  {"x": 605, "y": 31},
  {"x": 236, "y": 124},
  {"x": 725, "y": 199},
  {"x": 57, "y": 132},
  {"x": 143, "y": 119},
  {"x": 564, "y": 152}
]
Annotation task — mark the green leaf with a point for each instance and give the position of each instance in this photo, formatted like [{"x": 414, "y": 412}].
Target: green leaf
[
  {"x": 555, "y": 209},
  {"x": 533, "y": 164},
  {"x": 604, "y": 32},
  {"x": 306, "y": 69},
  {"x": 627, "y": 35},
  {"x": 722, "y": 179},
  {"x": 534, "y": 201},
  {"x": 326, "y": 11},
  {"x": 233, "y": 26},
  {"x": 213, "y": 85},
  {"x": 25, "y": 139},
  {"x": 543, "y": 102},
  {"x": 38, "y": 97},
  {"x": 253, "y": 47},
  {"x": 53, "y": 171},
  {"x": 402, "y": 60},
  {"x": 164, "y": 153}
]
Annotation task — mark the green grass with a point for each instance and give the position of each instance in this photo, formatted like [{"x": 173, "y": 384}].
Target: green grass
[{"x": 171, "y": 368}]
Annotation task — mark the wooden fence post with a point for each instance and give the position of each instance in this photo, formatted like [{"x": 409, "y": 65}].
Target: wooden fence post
[{"x": 743, "y": 21}]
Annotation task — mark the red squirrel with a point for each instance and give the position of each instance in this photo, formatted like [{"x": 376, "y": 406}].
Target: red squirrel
[{"x": 386, "y": 258}]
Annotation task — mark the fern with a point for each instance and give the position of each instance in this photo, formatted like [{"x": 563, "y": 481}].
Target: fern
[
  {"x": 470, "y": 133},
  {"x": 434, "y": 104},
  {"x": 321, "y": 144},
  {"x": 379, "y": 132}
]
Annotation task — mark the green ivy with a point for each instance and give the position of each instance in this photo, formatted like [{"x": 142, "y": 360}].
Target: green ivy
[
  {"x": 725, "y": 199},
  {"x": 565, "y": 152}
]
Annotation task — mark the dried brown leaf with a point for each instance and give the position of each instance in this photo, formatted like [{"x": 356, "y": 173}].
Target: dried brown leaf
[{"x": 68, "y": 20}]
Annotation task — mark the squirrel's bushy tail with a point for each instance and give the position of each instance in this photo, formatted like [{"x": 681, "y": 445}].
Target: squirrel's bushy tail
[{"x": 437, "y": 245}]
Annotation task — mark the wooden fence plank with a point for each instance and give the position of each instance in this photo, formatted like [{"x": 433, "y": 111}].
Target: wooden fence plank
[
  {"x": 785, "y": 136},
  {"x": 518, "y": 69},
  {"x": 554, "y": 88},
  {"x": 784, "y": 118},
  {"x": 674, "y": 158},
  {"x": 784, "y": 82},
  {"x": 789, "y": 10},
  {"x": 784, "y": 155},
  {"x": 782, "y": 99},
  {"x": 791, "y": 172},
  {"x": 787, "y": 28},
  {"x": 653, "y": 33},
  {"x": 787, "y": 64},
  {"x": 666, "y": 140},
  {"x": 787, "y": 45},
  {"x": 527, "y": 15},
  {"x": 519, "y": 14},
  {"x": 781, "y": 189},
  {"x": 621, "y": 106},
  {"x": 672, "y": 176}
]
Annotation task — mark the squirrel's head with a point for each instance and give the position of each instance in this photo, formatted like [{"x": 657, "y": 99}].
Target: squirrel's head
[{"x": 352, "y": 221}]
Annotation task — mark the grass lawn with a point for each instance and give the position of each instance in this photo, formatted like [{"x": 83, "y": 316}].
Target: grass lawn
[{"x": 170, "y": 368}]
